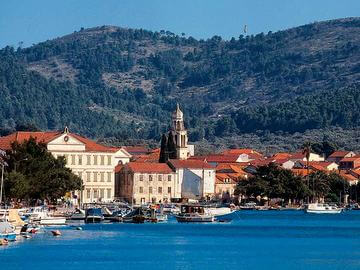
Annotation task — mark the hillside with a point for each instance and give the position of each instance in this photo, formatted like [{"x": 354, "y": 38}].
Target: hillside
[{"x": 123, "y": 83}]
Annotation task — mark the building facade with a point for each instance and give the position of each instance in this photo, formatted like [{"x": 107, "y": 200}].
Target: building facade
[
  {"x": 142, "y": 183},
  {"x": 93, "y": 163}
]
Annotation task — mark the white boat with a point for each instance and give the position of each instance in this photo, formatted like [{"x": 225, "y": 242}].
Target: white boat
[
  {"x": 41, "y": 216},
  {"x": 222, "y": 213},
  {"x": 194, "y": 213},
  {"x": 322, "y": 208}
]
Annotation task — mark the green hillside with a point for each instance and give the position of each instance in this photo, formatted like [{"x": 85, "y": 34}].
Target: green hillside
[{"x": 110, "y": 82}]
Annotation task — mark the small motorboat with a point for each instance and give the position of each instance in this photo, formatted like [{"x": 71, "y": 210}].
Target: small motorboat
[
  {"x": 93, "y": 215},
  {"x": 322, "y": 208},
  {"x": 79, "y": 214},
  {"x": 42, "y": 217},
  {"x": 138, "y": 215},
  {"x": 7, "y": 231},
  {"x": 194, "y": 213}
]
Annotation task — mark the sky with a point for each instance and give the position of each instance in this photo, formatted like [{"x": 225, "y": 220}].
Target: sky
[{"x": 33, "y": 21}]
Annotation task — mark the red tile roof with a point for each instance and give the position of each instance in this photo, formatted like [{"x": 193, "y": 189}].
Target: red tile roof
[
  {"x": 21, "y": 136},
  {"x": 240, "y": 151},
  {"x": 350, "y": 159},
  {"x": 143, "y": 167},
  {"x": 46, "y": 137},
  {"x": 339, "y": 154},
  {"x": 348, "y": 177},
  {"x": 281, "y": 156},
  {"x": 190, "y": 164}
]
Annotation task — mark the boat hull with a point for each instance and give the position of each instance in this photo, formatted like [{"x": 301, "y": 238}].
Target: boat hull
[
  {"x": 187, "y": 219},
  {"x": 310, "y": 211},
  {"x": 53, "y": 221},
  {"x": 8, "y": 236}
]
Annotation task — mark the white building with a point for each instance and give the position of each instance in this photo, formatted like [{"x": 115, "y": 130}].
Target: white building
[
  {"x": 195, "y": 179},
  {"x": 93, "y": 163}
]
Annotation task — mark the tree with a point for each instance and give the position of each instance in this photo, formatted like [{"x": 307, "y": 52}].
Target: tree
[
  {"x": 35, "y": 174},
  {"x": 164, "y": 156},
  {"x": 171, "y": 146}
]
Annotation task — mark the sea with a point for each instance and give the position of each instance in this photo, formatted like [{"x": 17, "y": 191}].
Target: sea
[{"x": 272, "y": 240}]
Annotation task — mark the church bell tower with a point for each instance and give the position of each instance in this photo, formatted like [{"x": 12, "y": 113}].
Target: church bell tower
[{"x": 181, "y": 138}]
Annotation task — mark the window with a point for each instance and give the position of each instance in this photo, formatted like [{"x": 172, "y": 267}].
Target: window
[
  {"x": 141, "y": 177},
  {"x": 169, "y": 177},
  {"x": 80, "y": 175},
  {"x": 150, "y": 190},
  {"x": 108, "y": 191},
  {"x": 102, "y": 160},
  {"x": 88, "y": 177},
  {"x": 95, "y": 176},
  {"x": 108, "y": 160},
  {"x": 88, "y": 194},
  {"x": 109, "y": 176},
  {"x": 169, "y": 189},
  {"x": 209, "y": 173},
  {"x": 159, "y": 190},
  {"x": 150, "y": 177},
  {"x": 88, "y": 160},
  {"x": 80, "y": 159},
  {"x": 153, "y": 200},
  {"x": 141, "y": 189},
  {"x": 72, "y": 159},
  {"x": 102, "y": 191},
  {"x": 95, "y": 194},
  {"x": 102, "y": 176},
  {"x": 160, "y": 177},
  {"x": 95, "y": 160}
]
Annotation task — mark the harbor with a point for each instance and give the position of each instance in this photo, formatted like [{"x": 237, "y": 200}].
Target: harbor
[{"x": 284, "y": 239}]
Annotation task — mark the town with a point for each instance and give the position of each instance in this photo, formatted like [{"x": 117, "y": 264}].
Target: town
[{"x": 173, "y": 173}]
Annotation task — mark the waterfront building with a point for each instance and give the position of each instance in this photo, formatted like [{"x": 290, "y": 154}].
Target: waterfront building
[
  {"x": 142, "y": 182},
  {"x": 195, "y": 179},
  {"x": 227, "y": 177},
  {"x": 92, "y": 162}
]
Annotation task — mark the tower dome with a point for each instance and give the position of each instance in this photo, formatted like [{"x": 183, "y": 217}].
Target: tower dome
[{"x": 178, "y": 114}]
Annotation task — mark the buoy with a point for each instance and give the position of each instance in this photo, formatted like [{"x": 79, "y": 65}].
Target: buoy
[
  {"x": 4, "y": 242},
  {"x": 56, "y": 233}
]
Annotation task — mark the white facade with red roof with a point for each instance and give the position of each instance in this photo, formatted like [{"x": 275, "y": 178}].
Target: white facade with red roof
[
  {"x": 195, "y": 179},
  {"x": 93, "y": 163}
]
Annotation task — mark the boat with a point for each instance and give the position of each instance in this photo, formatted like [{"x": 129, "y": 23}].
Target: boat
[
  {"x": 79, "y": 214},
  {"x": 222, "y": 213},
  {"x": 138, "y": 215},
  {"x": 248, "y": 206},
  {"x": 93, "y": 215},
  {"x": 194, "y": 213},
  {"x": 7, "y": 231},
  {"x": 322, "y": 208},
  {"x": 41, "y": 216}
]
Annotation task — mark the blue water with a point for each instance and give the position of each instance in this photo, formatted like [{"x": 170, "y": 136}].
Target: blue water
[{"x": 256, "y": 240}]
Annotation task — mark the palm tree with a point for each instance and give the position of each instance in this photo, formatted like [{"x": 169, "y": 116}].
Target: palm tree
[{"x": 306, "y": 151}]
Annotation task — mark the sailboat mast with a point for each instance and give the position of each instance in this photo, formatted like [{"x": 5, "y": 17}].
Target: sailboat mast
[{"x": 2, "y": 182}]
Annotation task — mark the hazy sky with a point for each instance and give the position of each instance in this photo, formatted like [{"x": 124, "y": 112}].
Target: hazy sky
[{"x": 32, "y": 21}]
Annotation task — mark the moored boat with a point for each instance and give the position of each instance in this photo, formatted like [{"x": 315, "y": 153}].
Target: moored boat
[
  {"x": 94, "y": 215},
  {"x": 322, "y": 208},
  {"x": 194, "y": 213}
]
